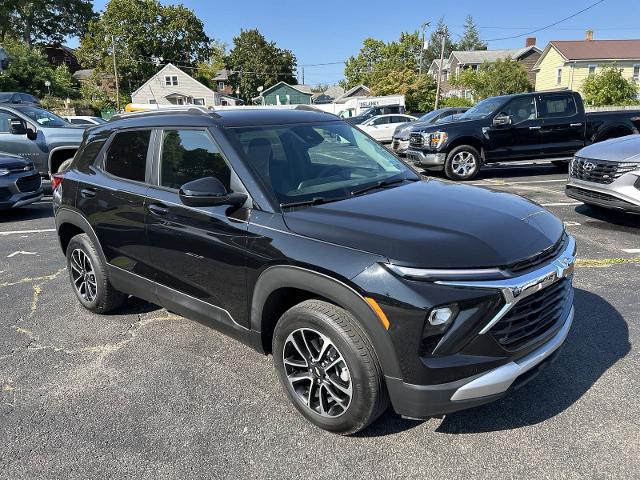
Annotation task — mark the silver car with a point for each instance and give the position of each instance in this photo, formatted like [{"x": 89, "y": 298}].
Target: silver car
[{"x": 607, "y": 174}]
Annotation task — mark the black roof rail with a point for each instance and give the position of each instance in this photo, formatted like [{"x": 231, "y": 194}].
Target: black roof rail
[
  {"x": 193, "y": 110},
  {"x": 311, "y": 108}
]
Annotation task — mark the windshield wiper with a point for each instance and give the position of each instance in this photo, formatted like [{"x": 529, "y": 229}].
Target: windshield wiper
[
  {"x": 313, "y": 201},
  {"x": 380, "y": 184}
]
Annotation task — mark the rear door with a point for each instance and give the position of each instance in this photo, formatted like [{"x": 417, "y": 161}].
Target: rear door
[
  {"x": 562, "y": 133},
  {"x": 519, "y": 140},
  {"x": 379, "y": 127},
  {"x": 198, "y": 253}
]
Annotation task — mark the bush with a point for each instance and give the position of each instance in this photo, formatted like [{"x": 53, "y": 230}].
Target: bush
[
  {"x": 456, "y": 102},
  {"x": 608, "y": 88}
]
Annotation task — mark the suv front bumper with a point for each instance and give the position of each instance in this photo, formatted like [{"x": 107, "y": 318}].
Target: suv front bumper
[
  {"x": 21, "y": 189},
  {"x": 622, "y": 194}
]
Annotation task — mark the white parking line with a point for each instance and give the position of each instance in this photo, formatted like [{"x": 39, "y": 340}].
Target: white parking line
[
  {"x": 571, "y": 224},
  {"x": 631, "y": 250},
  {"x": 20, "y": 232},
  {"x": 561, "y": 204}
]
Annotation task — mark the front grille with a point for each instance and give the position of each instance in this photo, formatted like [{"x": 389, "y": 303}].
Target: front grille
[
  {"x": 533, "y": 317},
  {"x": 416, "y": 140},
  {"x": 539, "y": 258},
  {"x": 591, "y": 194},
  {"x": 599, "y": 171},
  {"x": 29, "y": 184}
]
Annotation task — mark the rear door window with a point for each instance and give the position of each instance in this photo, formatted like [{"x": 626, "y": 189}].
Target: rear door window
[
  {"x": 127, "y": 155},
  {"x": 558, "y": 106}
]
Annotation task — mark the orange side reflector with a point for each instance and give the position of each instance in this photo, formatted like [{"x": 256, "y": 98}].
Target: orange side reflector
[{"x": 376, "y": 308}]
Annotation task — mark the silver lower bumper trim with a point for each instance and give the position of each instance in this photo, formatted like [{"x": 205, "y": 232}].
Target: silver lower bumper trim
[
  {"x": 426, "y": 159},
  {"x": 499, "y": 380},
  {"x": 22, "y": 203}
]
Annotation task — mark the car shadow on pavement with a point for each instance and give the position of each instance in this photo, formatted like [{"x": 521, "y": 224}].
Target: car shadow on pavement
[
  {"x": 512, "y": 172},
  {"x": 34, "y": 211},
  {"x": 134, "y": 306},
  {"x": 610, "y": 217},
  {"x": 598, "y": 338}
]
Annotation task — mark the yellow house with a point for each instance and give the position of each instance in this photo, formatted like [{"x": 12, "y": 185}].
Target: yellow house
[{"x": 566, "y": 64}]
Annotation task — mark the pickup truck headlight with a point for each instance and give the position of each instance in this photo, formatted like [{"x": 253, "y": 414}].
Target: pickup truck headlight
[
  {"x": 4, "y": 171},
  {"x": 435, "y": 139}
]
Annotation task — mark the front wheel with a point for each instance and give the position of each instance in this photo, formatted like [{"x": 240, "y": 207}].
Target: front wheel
[
  {"x": 463, "y": 163},
  {"x": 328, "y": 367}
]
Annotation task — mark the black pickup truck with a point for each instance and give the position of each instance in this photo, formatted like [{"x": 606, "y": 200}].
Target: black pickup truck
[{"x": 540, "y": 125}]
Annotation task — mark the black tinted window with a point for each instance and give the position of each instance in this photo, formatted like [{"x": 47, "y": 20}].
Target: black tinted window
[
  {"x": 127, "y": 155},
  {"x": 520, "y": 109},
  {"x": 189, "y": 155},
  {"x": 559, "y": 106},
  {"x": 5, "y": 120}
]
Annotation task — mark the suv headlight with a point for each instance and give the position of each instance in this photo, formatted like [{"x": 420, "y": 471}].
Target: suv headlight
[
  {"x": 4, "y": 171},
  {"x": 435, "y": 274},
  {"x": 435, "y": 139}
]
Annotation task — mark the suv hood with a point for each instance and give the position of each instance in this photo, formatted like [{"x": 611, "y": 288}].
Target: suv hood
[
  {"x": 9, "y": 160},
  {"x": 433, "y": 224},
  {"x": 622, "y": 149}
]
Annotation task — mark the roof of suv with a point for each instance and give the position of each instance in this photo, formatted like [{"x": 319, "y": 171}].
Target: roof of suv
[{"x": 241, "y": 117}]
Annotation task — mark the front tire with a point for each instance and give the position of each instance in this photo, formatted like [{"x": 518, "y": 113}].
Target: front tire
[
  {"x": 89, "y": 279},
  {"x": 463, "y": 163},
  {"x": 328, "y": 367}
]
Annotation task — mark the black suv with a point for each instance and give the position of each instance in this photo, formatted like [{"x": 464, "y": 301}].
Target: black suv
[{"x": 299, "y": 235}]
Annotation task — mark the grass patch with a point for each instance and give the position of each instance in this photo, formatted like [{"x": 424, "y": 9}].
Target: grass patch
[{"x": 605, "y": 262}]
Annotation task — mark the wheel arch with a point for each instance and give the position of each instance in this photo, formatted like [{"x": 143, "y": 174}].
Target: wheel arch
[
  {"x": 467, "y": 140},
  {"x": 317, "y": 285},
  {"x": 69, "y": 224},
  {"x": 613, "y": 131},
  {"x": 59, "y": 154}
]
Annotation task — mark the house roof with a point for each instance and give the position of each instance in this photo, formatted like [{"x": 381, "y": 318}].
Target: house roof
[
  {"x": 598, "y": 49},
  {"x": 222, "y": 75},
  {"x": 436, "y": 63},
  {"x": 351, "y": 91},
  {"x": 83, "y": 74},
  {"x": 306, "y": 89},
  {"x": 481, "y": 56},
  {"x": 169, "y": 66}
]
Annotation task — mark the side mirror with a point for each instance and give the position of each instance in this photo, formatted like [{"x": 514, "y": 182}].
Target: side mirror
[
  {"x": 17, "y": 127},
  {"x": 209, "y": 192},
  {"x": 501, "y": 119}
]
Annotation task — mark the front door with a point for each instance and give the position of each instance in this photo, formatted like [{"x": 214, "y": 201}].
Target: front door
[
  {"x": 34, "y": 150},
  {"x": 519, "y": 140},
  {"x": 563, "y": 128},
  {"x": 198, "y": 253}
]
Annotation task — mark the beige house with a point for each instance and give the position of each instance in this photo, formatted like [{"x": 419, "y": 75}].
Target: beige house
[
  {"x": 172, "y": 86},
  {"x": 566, "y": 64}
]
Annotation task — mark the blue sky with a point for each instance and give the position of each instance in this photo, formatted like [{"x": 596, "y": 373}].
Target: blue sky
[{"x": 331, "y": 31}]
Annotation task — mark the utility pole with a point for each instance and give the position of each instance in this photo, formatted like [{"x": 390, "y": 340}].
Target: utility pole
[
  {"x": 115, "y": 72},
  {"x": 424, "y": 26},
  {"x": 302, "y": 75},
  {"x": 442, "y": 33}
]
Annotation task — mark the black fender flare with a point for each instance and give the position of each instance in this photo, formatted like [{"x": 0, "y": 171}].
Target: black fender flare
[
  {"x": 65, "y": 215},
  {"x": 282, "y": 276},
  {"x": 600, "y": 133}
]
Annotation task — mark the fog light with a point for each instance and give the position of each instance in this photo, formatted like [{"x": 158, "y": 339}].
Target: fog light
[{"x": 442, "y": 316}]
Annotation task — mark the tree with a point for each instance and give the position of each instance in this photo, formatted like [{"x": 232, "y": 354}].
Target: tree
[
  {"x": 419, "y": 90},
  {"x": 471, "y": 37},
  {"x": 496, "y": 78},
  {"x": 45, "y": 21},
  {"x": 147, "y": 34},
  {"x": 609, "y": 87},
  {"x": 28, "y": 70},
  {"x": 432, "y": 52},
  {"x": 256, "y": 62},
  {"x": 206, "y": 71}
]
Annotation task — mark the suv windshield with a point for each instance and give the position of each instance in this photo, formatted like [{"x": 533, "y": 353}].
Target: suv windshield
[
  {"x": 326, "y": 161},
  {"x": 483, "y": 109},
  {"x": 42, "y": 117}
]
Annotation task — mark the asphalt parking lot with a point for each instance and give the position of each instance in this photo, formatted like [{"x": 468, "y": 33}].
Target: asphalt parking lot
[{"x": 143, "y": 393}]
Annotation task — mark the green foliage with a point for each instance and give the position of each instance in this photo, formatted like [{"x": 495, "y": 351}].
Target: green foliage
[
  {"x": 419, "y": 91},
  {"x": 257, "y": 62},
  {"x": 609, "y": 87},
  {"x": 146, "y": 34},
  {"x": 45, "y": 21},
  {"x": 28, "y": 70},
  {"x": 455, "y": 102},
  {"x": 470, "y": 40},
  {"x": 497, "y": 78},
  {"x": 206, "y": 71},
  {"x": 432, "y": 52}
]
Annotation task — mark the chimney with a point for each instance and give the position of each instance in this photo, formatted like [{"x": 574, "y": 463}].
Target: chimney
[
  {"x": 530, "y": 42},
  {"x": 588, "y": 36}
]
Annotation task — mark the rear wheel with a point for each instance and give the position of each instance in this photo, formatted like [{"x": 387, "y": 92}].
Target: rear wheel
[
  {"x": 89, "y": 278},
  {"x": 328, "y": 367},
  {"x": 463, "y": 163}
]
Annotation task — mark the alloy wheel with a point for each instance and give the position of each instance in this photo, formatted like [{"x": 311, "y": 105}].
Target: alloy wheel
[
  {"x": 463, "y": 163},
  {"x": 84, "y": 277},
  {"x": 317, "y": 372}
]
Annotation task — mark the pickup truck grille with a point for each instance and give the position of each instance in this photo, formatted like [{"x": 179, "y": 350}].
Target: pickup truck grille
[
  {"x": 416, "y": 140},
  {"x": 533, "y": 317},
  {"x": 30, "y": 183},
  {"x": 599, "y": 171}
]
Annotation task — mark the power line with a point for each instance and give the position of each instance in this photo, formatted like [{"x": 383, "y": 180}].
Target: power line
[{"x": 546, "y": 26}]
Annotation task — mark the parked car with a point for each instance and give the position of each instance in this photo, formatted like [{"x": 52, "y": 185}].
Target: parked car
[
  {"x": 86, "y": 121},
  {"x": 297, "y": 234},
  {"x": 371, "y": 112},
  {"x": 38, "y": 135},
  {"x": 542, "y": 125},
  {"x": 607, "y": 174},
  {"x": 20, "y": 183},
  {"x": 400, "y": 141},
  {"x": 382, "y": 127},
  {"x": 18, "y": 97}
]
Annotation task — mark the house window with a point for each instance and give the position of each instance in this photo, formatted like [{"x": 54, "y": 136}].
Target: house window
[
  {"x": 198, "y": 101},
  {"x": 152, "y": 101},
  {"x": 220, "y": 85},
  {"x": 444, "y": 76},
  {"x": 636, "y": 73},
  {"x": 592, "y": 69},
  {"x": 170, "y": 80},
  {"x": 559, "y": 76}
]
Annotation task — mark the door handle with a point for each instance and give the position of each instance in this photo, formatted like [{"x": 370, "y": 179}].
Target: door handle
[
  {"x": 536, "y": 127},
  {"x": 157, "y": 209},
  {"x": 88, "y": 192},
  {"x": 575, "y": 125}
]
